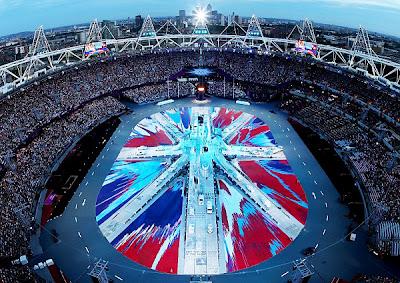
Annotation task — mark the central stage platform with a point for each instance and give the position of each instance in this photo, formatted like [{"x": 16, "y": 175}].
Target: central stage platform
[
  {"x": 166, "y": 218},
  {"x": 201, "y": 190}
]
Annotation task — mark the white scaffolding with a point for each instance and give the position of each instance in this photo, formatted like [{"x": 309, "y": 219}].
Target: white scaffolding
[
  {"x": 94, "y": 32},
  {"x": 42, "y": 59},
  {"x": 301, "y": 272},
  {"x": 168, "y": 28},
  {"x": 147, "y": 29},
  {"x": 200, "y": 15},
  {"x": 40, "y": 44},
  {"x": 99, "y": 271},
  {"x": 255, "y": 36},
  {"x": 254, "y": 29},
  {"x": 238, "y": 32},
  {"x": 305, "y": 31},
  {"x": 201, "y": 28},
  {"x": 362, "y": 45}
]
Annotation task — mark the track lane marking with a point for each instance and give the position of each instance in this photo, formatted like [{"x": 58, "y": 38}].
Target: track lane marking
[{"x": 284, "y": 274}]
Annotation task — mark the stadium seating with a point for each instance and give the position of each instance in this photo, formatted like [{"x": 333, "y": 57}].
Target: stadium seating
[{"x": 40, "y": 121}]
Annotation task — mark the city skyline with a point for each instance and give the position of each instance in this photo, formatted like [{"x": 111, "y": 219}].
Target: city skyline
[{"x": 52, "y": 14}]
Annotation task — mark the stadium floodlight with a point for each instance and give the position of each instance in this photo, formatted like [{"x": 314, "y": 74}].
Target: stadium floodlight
[{"x": 200, "y": 15}]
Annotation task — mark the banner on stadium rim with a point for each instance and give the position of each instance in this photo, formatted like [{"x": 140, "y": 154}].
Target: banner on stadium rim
[
  {"x": 306, "y": 48},
  {"x": 96, "y": 48}
]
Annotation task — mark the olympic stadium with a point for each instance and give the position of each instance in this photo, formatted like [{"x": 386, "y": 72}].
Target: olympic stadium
[{"x": 188, "y": 155}]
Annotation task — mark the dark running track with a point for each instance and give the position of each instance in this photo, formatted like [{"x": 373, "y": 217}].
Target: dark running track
[{"x": 82, "y": 244}]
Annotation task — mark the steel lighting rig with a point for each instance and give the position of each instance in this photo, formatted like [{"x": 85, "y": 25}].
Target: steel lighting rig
[{"x": 42, "y": 61}]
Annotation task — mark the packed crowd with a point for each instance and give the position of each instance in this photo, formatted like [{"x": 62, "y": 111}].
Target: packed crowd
[
  {"x": 157, "y": 92},
  {"x": 369, "y": 92},
  {"x": 44, "y": 101},
  {"x": 226, "y": 89},
  {"x": 284, "y": 70},
  {"x": 269, "y": 70},
  {"x": 376, "y": 279},
  {"x": 18, "y": 188},
  {"x": 40, "y": 121},
  {"x": 360, "y": 147},
  {"x": 369, "y": 117}
]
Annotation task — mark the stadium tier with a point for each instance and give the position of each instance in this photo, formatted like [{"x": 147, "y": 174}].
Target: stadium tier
[{"x": 97, "y": 177}]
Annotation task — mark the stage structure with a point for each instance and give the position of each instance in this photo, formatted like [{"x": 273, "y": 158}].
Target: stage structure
[
  {"x": 201, "y": 190},
  {"x": 99, "y": 271},
  {"x": 41, "y": 60}
]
